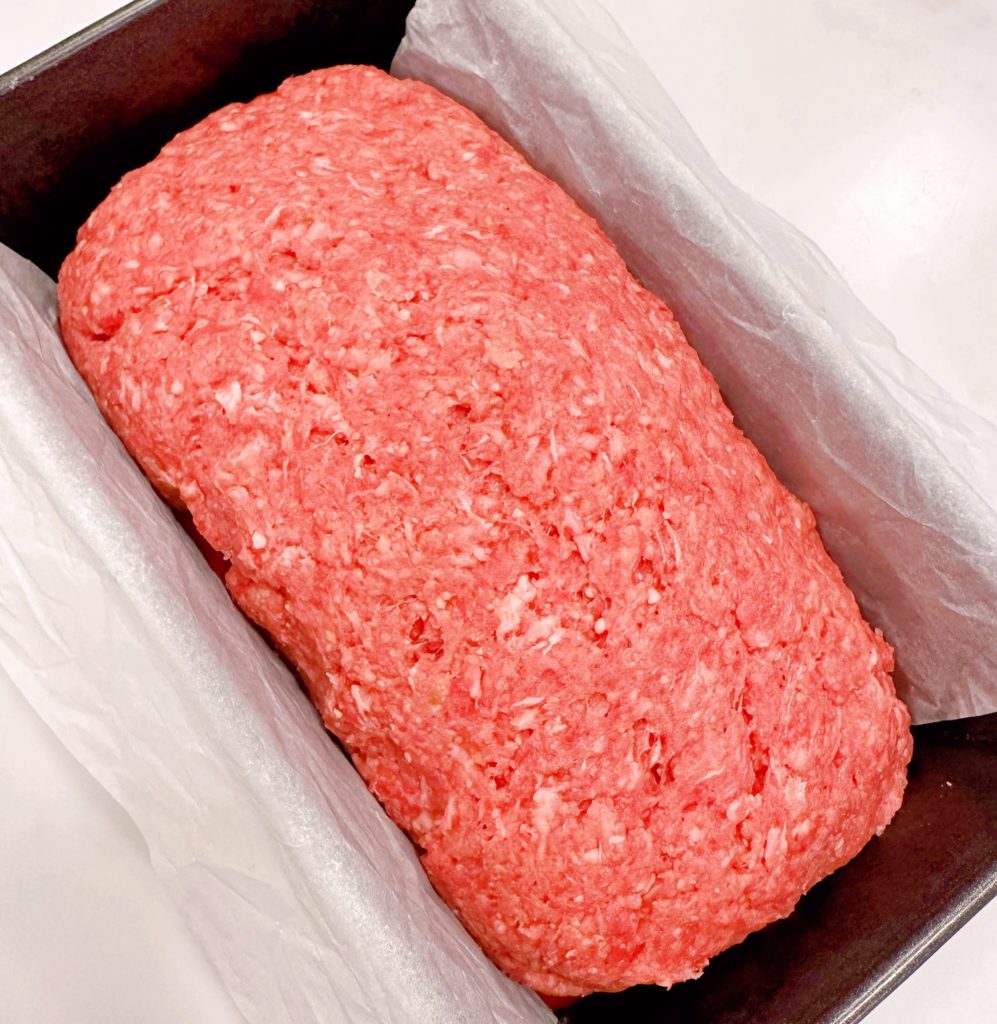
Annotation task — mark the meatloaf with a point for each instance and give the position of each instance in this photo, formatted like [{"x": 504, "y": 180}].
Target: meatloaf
[{"x": 583, "y": 646}]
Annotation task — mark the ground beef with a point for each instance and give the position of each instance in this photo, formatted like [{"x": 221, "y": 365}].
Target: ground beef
[{"x": 583, "y": 646}]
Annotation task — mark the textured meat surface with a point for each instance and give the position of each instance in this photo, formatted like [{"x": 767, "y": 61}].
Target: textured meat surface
[{"x": 580, "y": 642}]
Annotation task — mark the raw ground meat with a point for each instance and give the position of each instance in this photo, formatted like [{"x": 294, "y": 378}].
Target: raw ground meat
[{"x": 580, "y": 642}]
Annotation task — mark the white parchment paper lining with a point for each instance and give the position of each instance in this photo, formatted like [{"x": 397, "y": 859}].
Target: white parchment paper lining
[{"x": 903, "y": 479}]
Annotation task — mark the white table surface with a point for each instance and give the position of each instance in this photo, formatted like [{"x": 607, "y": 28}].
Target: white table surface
[{"x": 870, "y": 127}]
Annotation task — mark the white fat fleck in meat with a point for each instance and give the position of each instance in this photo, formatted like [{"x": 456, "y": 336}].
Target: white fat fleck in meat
[
  {"x": 802, "y": 829},
  {"x": 511, "y": 607},
  {"x": 229, "y": 396},
  {"x": 464, "y": 259},
  {"x": 583, "y": 542},
  {"x": 360, "y": 698},
  {"x": 544, "y": 630},
  {"x": 474, "y": 687},
  {"x": 676, "y": 545},
  {"x": 545, "y": 804},
  {"x": 775, "y": 847},
  {"x": 189, "y": 491},
  {"x": 798, "y": 758},
  {"x": 503, "y": 353},
  {"x": 525, "y": 720},
  {"x": 737, "y": 810}
]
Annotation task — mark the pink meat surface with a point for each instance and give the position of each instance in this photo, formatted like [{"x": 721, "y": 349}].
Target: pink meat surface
[{"x": 581, "y": 643}]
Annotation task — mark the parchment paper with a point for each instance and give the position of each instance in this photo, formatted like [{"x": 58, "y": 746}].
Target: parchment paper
[
  {"x": 903, "y": 480},
  {"x": 310, "y": 902}
]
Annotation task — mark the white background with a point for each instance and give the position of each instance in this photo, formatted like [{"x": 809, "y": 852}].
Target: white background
[{"x": 873, "y": 128}]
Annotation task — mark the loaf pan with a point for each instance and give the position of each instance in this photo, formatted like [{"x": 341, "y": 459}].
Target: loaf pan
[{"x": 73, "y": 120}]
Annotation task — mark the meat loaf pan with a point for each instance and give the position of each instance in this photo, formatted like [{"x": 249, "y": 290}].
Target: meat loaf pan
[{"x": 156, "y": 67}]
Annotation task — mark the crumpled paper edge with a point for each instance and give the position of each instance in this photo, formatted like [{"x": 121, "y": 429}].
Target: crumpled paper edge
[
  {"x": 902, "y": 479},
  {"x": 311, "y": 904}
]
